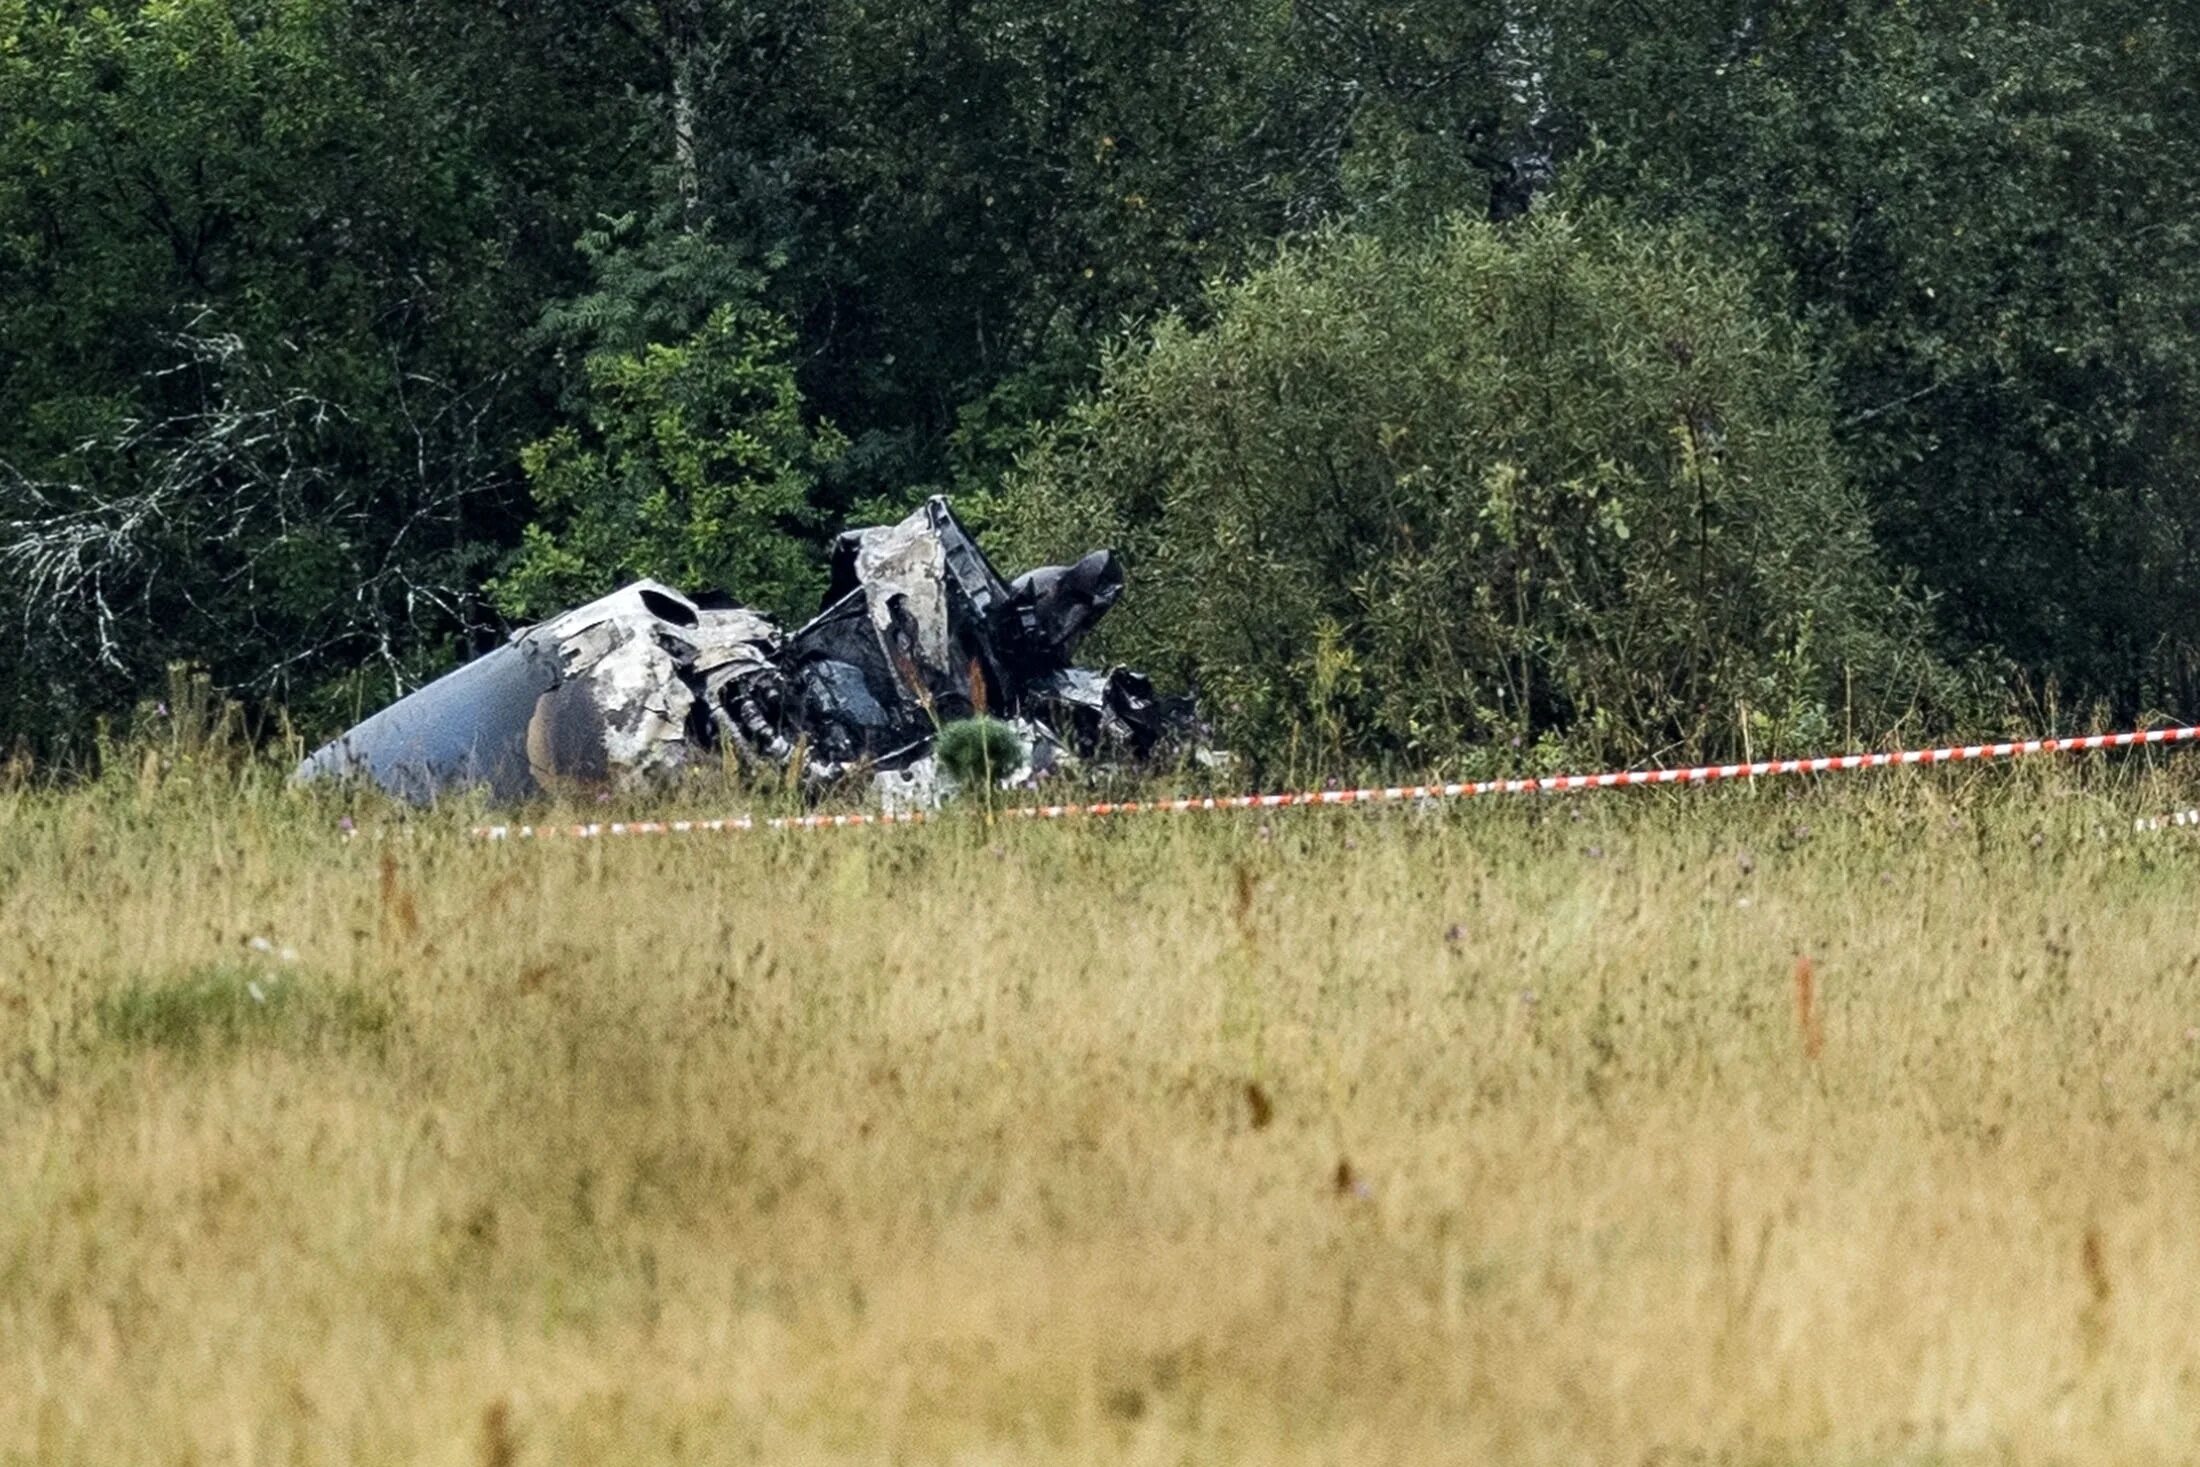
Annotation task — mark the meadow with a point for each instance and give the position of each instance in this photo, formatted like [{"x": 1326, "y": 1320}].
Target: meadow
[{"x": 1848, "y": 1124}]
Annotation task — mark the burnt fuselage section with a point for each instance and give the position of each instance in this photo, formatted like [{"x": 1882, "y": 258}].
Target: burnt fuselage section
[{"x": 917, "y": 630}]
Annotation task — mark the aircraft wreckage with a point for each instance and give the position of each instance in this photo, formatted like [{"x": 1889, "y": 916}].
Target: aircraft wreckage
[{"x": 917, "y": 630}]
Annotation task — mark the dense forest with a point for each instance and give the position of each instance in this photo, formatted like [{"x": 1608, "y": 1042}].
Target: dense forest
[{"x": 1454, "y": 376}]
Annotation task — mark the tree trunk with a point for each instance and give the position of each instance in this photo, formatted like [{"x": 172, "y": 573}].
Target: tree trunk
[
  {"x": 683, "y": 29},
  {"x": 1524, "y": 65}
]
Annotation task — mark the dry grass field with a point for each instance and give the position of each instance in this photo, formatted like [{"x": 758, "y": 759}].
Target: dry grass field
[{"x": 1852, "y": 1125}]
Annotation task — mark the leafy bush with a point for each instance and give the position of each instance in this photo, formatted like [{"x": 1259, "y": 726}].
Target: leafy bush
[{"x": 1398, "y": 501}]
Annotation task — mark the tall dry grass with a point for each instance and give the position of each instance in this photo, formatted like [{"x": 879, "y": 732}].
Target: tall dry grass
[{"x": 1753, "y": 1126}]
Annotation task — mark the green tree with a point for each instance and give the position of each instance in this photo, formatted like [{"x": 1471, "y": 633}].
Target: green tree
[
  {"x": 696, "y": 467},
  {"x": 264, "y": 272},
  {"x": 1988, "y": 219},
  {"x": 1403, "y": 500},
  {"x": 306, "y": 268},
  {"x": 969, "y": 198}
]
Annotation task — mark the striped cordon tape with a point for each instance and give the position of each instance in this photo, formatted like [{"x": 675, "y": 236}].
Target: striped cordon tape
[{"x": 1391, "y": 794}]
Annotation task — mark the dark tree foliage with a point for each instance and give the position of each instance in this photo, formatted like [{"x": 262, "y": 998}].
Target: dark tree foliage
[
  {"x": 264, "y": 274},
  {"x": 319, "y": 318},
  {"x": 1989, "y": 218}
]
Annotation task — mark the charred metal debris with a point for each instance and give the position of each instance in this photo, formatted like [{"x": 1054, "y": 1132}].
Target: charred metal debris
[{"x": 917, "y": 630}]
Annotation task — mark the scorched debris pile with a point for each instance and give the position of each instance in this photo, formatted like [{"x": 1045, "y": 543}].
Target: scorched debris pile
[{"x": 917, "y": 630}]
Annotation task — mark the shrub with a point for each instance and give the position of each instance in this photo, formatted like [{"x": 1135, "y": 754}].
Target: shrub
[
  {"x": 977, "y": 753},
  {"x": 1559, "y": 480}
]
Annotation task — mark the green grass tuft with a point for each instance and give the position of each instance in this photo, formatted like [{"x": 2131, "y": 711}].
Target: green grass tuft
[{"x": 221, "y": 1006}]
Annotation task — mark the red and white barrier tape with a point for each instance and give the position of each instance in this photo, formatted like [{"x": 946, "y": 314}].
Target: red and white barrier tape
[{"x": 1700, "y": 774}]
